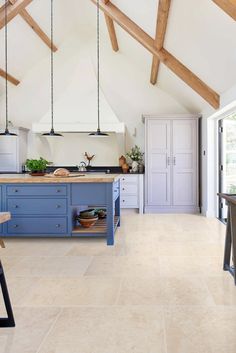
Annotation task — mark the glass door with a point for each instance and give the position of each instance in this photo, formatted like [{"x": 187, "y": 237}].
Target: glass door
[{"x": 227, "y": 160}]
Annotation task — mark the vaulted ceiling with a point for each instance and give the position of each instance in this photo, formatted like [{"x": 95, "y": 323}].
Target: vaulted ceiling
[{"x": 200, "y": 34}]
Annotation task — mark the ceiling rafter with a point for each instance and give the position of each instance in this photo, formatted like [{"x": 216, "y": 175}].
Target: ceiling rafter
[
  {"x": 10, "y": 78},
  {"x": 111, "y": 30},
  {"x": 17, "y": 7},
  {"x": 228, "y": 6},
  {"x": 161, "y": 25},
  {"x": 13, "y": 10},
  {"x": 164, "y": 56},
  {"x": 36, "y": 28}
]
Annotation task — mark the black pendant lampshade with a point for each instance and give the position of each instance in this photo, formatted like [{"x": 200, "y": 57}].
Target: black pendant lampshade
[
  {"x": 6, "y": 132},
  {"x": 98, "y": 133},
  {"x": 52, "y": 132}
]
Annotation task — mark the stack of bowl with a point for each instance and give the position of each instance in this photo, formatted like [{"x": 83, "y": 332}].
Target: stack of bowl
[{"x": 87, "y": 218}]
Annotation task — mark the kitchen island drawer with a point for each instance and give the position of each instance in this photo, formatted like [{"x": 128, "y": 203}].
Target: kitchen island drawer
[
  {"x": 36, "y": 226},
  {"x": 129, "y": 201},
  {"x": 39, "y": 190},
  {"x": 37, "y": 206}
]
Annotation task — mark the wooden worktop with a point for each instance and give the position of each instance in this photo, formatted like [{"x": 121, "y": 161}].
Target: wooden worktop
[
  {"x": 47, "y": 179},
  {"x": 228, "y": 197},
  {"x": 4, "y": 217}
]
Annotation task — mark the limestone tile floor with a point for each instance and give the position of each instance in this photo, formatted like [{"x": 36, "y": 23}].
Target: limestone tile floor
[{"x": 160, "y": 289}]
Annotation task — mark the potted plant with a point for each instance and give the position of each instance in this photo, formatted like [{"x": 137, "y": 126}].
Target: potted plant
[
  {"x": 136, "y": 156},
  {"x": 37, "y": 167}
]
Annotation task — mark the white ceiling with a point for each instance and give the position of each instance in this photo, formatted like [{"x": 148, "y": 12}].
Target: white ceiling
[{"x": 199, "y": 34}]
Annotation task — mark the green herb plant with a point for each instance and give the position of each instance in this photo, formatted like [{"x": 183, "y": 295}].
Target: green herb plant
[{"x": 37, "y": 165}]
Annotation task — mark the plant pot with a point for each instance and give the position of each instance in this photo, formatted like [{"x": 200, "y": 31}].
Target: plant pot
[
  {"x": 37, "y": 173},
  {"x": 134, "y": 167}
]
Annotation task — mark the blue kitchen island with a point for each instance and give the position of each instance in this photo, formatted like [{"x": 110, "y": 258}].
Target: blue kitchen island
[{"x": 47, "y": 206}]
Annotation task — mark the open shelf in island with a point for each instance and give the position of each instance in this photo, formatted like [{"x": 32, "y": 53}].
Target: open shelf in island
[{"x": 100, "y": 227}]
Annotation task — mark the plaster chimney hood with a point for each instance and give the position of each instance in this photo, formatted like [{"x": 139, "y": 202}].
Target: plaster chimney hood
[{"x": 75, "y": 107}]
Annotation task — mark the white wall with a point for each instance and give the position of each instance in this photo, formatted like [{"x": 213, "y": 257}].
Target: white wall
[{"x": 70, "y": 149}]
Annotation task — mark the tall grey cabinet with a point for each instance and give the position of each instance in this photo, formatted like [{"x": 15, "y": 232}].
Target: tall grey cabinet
[{"x": 171, "y": 158}]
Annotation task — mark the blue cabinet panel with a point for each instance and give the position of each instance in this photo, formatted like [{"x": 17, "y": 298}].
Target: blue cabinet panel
[
  {"x": 88, "y": 194},
  {"x": 35, "y": 206},
  {"x": 33, "y": 226},
  {"x": 36, "y": 190}
]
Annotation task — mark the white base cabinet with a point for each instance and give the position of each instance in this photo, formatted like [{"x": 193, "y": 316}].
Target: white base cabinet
[
  {"x": 13, "y": 151},
  {"x": 171, "y": 165},
  {"x": 131, "y": 191}
]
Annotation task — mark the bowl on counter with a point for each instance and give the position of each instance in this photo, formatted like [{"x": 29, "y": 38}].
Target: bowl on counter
[{"x": 87, "y": 222}]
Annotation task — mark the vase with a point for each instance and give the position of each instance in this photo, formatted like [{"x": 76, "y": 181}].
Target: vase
[{"x": 134, "y": 167}]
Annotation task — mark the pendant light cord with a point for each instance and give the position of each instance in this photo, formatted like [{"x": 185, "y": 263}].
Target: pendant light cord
[
  {"x": 6, "y": 64},
  {"x": 98, "y": 62},
  {"x": 52, "y": 68}
]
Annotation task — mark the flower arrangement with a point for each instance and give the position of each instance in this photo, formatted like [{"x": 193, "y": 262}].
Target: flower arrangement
[{"x": 135, "y": 154}]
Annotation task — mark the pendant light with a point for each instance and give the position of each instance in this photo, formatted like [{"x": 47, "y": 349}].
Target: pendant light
[
  {"x": 6, "y": 132},
  {"x": 52, "y": 132},
  {"x": 98, "y": 133}
]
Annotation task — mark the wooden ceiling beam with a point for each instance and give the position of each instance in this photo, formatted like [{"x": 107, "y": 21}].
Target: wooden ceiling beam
[
  {"x": 10, "y": 78},
  {"x": 13, "y": 11},
  {"x": 162, "y": 19},
  {"x": 36, "y": 28},
  {"x": 228, "y": 6},
  {"x": 166, "y": 58},
  {"x": 111, "y": 30}
]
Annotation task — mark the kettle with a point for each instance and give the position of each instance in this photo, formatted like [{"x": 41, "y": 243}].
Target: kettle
[{"x": 82, "y": 167}]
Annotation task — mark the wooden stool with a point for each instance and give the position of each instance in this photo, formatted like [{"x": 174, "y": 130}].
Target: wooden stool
[{"x": 9, "y": 320}]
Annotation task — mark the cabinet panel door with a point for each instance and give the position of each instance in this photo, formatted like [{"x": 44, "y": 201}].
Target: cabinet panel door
[
  {"x": 184, "y": 162},
  {"x": 159, "y": 169}
]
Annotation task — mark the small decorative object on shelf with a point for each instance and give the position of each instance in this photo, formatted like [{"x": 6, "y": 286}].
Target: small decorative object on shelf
[
  {"x": 123, "y": 164},
  {"x": 136, "y": 157},
  {"x": 89, "y": 158},
  {"x": 37, "y": 167}
]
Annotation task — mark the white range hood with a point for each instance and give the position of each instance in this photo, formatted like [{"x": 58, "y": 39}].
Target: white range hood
[{"x": 75, "y": 108}]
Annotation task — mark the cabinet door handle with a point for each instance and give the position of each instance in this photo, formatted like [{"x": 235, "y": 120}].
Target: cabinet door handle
[
  {"x": 58, "y": 206},
  {"x": 168, "y": 160},
  {"x": 174, "y": 160},
  {"x": 58, "y": 226}
]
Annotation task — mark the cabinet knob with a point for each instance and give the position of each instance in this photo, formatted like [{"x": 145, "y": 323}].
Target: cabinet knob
[
  {"x": 58, "y": 190},
  {"x": 58, "y": 206},
  {"x": 123, "y": 189},
  {"x": 123, "y": 200},
  {"x": 16, "y": 190},
  {"x": 16, "y": 206},
  {"x": 58, "y": 226},
  {"x": 15, "y": 226}
]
